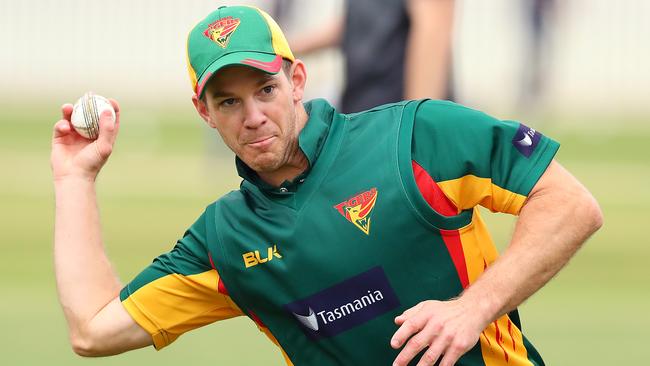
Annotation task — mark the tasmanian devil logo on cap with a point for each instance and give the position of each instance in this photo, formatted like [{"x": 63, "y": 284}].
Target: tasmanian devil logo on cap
[
  {"x": 357, "y": 209},
  {"x": 221, "y": 30}
]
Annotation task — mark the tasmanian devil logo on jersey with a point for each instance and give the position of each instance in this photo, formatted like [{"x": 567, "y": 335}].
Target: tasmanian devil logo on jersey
[
  {"x": 221, "y": 30},
  {"x": 358, "y": 209}
]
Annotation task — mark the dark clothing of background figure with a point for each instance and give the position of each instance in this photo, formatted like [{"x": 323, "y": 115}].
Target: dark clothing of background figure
[{"x": 374, "y": 45}]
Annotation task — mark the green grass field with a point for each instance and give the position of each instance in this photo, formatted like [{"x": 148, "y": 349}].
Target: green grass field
[{"x": 161, "y": 177}]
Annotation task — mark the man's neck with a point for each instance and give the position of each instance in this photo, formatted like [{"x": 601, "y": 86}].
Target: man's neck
[{"x": 288, "y": 172}]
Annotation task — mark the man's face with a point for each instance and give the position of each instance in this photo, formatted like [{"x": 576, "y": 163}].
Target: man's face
[{"x": 255, "y": 114}]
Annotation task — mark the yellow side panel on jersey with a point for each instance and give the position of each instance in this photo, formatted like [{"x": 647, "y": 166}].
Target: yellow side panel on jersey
[
  {"x": 478, "y": 247},
  {"x": 174, "y": 304},
  {"x": 470, "y": 190},
  {"x": 503, "y": 344}
]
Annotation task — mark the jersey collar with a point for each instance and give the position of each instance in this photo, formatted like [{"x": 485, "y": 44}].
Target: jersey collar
[{"x": 310, "y": 140}]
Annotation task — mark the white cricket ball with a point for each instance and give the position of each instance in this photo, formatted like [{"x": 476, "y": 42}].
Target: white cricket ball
[{"x": 86, "y": 112}]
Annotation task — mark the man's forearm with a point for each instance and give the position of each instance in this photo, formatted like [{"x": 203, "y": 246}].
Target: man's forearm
[
  {"x": 552, "y": 226},
  {"x": 85, "y": 280}
]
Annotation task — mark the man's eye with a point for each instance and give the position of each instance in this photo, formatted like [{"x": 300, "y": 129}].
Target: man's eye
[
  {"x": 268, "y": 89},
  {"x": 228, "y": 102}
]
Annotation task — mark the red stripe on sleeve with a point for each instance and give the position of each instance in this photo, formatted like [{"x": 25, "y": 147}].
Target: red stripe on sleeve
[
  {"x": 221, "y": 287},
  {"x": 441, "y": 204},
  {"x": 256, "y": 319},
  {"x": 432, "y": 192},
  {"x": 455, "y": 249}
]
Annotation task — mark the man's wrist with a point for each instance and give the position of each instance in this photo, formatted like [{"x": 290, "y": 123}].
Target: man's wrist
[
  {"x": 78, "y": 178},
  {"x": 486, "y": 306},
  {"x": 74, "y": 183}
]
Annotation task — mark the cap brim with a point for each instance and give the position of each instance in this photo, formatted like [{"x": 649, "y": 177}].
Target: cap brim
[{"x": 269, "y": 63}]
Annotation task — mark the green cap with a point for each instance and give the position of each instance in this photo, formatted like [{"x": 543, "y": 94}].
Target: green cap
[{"x": 234, "y": 35}]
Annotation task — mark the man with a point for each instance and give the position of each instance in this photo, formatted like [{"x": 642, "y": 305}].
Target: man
[
  {"x": 393, "y": 50},
  {"x": 353, "y": 239}
]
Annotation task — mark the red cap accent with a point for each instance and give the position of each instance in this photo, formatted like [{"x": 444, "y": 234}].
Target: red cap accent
[
  {"x": 199, "y": 87},
  {"x": 272, "y": 67}
]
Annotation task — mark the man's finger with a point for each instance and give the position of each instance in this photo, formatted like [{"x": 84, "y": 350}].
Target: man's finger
[
  {"x": 456, "y": 348},
  {"x": 416, "y": 344},
  {"x": 107, "y": 134},
  {"x": 410, "y": 327},
  {"x": 116, "y": 107},
  {"x": 436, "y": 348},
  {"x": 61, "y": 128},
  {"x": 66, "y": 111},
  {"x": 451, "y": 356},
  {"x": 408, "y": 313}
]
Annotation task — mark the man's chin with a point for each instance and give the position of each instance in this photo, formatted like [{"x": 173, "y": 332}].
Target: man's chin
[{"x": 264, "y": 163}]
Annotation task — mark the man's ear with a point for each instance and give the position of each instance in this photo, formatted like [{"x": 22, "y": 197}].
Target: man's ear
[
  {"x": 298, "y": 79},
  {"x": 202, "y": 109}
]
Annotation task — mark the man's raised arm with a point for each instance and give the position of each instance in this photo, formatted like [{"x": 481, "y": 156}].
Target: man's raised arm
[{"x": 87, "y": 286}]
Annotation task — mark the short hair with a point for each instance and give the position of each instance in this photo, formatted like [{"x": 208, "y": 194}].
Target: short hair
[{"x": 286, "y": 66}]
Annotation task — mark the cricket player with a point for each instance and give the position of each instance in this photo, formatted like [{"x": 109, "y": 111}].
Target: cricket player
[{"x": 354, "y": 239}]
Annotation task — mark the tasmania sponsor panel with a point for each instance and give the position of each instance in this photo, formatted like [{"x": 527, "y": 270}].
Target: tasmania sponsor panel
[{"x": 345, "y": 305}]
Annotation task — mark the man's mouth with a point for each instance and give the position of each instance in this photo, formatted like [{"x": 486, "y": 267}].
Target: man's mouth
[{"x": 261, "y": 142}]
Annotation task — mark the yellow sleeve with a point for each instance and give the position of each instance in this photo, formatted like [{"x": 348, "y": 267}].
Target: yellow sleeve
[
  {"x": 467, "y": 191},
  {"x": 174, "y": 304}
]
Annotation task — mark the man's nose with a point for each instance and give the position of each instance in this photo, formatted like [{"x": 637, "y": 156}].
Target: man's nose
[{"x": 254, "y": 115}]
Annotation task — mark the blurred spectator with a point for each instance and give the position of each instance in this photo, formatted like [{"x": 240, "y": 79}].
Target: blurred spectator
[
  {"x": 394, "y": 50},
  {"x": 280, "y": 10},
  {"x": 538, "y": 18}
]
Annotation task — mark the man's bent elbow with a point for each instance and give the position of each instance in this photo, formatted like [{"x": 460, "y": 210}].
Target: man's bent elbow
[
  {"x": 593, "y": 215},
  {"x": 94, "y": 341},
  {"x": 87, "y": 346},
  {"x": 597, "y": 216},
  {"x": 83, "y": 346}
]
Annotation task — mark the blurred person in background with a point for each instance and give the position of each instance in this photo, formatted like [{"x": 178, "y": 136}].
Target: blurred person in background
[
  {"x": 353, "y": 239},
  {"x": 538, "y": 21},
  {"x": 393, "y": 50}
]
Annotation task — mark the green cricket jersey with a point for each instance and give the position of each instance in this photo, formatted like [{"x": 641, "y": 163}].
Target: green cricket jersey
[{"x": 385, "y": 217}]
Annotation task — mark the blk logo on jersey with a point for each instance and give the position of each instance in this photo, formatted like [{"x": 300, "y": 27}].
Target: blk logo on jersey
[
  {"x": 358, "y": 209},
  {"x": 220, "y": 31},
  {"x": 526, "y": 140},
  {"x": 345, "y": 305},
  {"x": 254, "y": 258}
]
